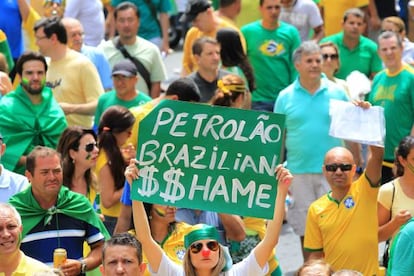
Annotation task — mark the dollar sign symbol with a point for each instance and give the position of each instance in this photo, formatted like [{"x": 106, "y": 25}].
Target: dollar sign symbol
[
  {"x": 149, "y": 183},
  {"x": 174, "y": 190}
]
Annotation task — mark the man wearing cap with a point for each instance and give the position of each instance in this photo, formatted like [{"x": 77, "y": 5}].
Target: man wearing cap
[
  {"x": 205, "y": 23},
  {"x": 125, "y": 77},
  {"x": 10, "y": 182},
  {"x": 29, "y": 116}
]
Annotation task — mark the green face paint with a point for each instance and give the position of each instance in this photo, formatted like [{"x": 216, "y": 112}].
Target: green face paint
[{"x": 25, "y": 81}]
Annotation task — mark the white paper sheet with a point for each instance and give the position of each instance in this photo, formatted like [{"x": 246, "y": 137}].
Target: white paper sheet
[{"x": 353, "y": 123}]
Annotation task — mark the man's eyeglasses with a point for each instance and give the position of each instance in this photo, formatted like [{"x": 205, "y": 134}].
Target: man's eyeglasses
[
  {"x": 197, "y": 246},
  {"x": 90, "y": 147},
  {"x": 331, "y": 56},
  {"x": 334, "y": 167}
]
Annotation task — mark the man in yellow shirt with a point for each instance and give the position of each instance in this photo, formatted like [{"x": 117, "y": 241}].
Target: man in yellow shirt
[
  {"x": 342, "y": 226},
  {"x": 12, "y": 260}
]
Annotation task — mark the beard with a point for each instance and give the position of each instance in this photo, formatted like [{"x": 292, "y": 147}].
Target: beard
[{"x": 32, "y": 91}]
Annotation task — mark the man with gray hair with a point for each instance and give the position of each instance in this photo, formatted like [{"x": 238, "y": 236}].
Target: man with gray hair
[
  {"x": 306, "y": 105},
  {"x": 13, "y": 261}
]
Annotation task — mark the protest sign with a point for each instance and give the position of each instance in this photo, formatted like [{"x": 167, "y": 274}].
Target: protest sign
[{"x": 209, "y": 158}]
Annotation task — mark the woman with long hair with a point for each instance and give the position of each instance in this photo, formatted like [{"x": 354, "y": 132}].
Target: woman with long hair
[
  {"x": 114, "y": 129},
  {"x": 233, "y": 58},
  {"x": 204, "y": 255},
  {"x": 79, "y": 154}
]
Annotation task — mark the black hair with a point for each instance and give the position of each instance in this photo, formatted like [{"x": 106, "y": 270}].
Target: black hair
[
  {"x": 28, "y": 56},
  {"x": 52, "y": 25}
]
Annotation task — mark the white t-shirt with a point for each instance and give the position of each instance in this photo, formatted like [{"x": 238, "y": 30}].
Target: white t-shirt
[
  {"x": 248, "y": 266},
  {"x": 90, "y": 14},
  {"x": 304, "y": 15}
]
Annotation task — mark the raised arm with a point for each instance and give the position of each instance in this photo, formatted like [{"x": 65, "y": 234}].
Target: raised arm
[
  {"x": 374, "y": 165},
  {"x": 274, "y": 226},
  {"x": 152, "y": 250}
]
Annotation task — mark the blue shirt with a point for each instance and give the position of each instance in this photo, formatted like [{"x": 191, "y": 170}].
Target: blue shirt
[
  {"x": 11, "y": 24},
  {"x": 97, "y": 57},
  {"x": 11, "y": 183},
  {"x": 62, "y": 232},
  {"x": 307, "y": 124}
]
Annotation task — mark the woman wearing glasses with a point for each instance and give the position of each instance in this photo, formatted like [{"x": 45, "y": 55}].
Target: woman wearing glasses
[
  {"x": 330, "y": 65},
  {"x": 79, "y": 154},
  {"x": 203, "y": 254}
]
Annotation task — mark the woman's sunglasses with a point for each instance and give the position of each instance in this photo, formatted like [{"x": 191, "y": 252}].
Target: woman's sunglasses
[
  {"x": 90, "y": 147},
  {"x": 197, "y": 246}
]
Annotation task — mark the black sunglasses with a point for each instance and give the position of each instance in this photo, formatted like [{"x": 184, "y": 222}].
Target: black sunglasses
[
  {"x": 334, "y": 167},
  {"x": 332, "y": 56},
  {"x": 90, "y": 147},
  {"x": 197, "y": 246}
]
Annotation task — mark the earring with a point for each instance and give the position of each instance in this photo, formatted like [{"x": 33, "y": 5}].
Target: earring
[{"x": 150, "y": 217}]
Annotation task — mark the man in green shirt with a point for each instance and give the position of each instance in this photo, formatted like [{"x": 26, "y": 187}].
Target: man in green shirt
[
  {"x": 356, "y": 52},
  {"x": 29, "y": 116},
  {"x": 124, "y": 76}
]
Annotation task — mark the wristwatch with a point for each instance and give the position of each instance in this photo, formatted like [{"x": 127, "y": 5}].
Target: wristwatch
[{"x": 83, "y": 267}]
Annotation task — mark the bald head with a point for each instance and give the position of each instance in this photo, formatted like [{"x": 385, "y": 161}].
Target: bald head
[
  {"x": 75, "y": 33},
  {"x": 339, "y": 153}
]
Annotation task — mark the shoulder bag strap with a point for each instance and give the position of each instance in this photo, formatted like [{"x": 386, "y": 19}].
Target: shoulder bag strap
[{"x": 140, "y": 67}]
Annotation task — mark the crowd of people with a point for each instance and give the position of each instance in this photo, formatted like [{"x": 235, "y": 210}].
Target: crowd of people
[{"x": 77, "y": 78}]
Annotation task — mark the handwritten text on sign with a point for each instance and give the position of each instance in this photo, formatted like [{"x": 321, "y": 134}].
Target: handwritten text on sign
[{"x": 209, "y": 158}]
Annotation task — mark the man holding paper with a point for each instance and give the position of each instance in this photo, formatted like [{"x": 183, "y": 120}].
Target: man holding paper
[
  {"x": 306, "y": 106},
  {"x": 393, "y": 89}
]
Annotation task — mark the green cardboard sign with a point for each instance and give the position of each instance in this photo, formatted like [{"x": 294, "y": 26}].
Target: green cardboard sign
[{"x": 210, "y": 158}]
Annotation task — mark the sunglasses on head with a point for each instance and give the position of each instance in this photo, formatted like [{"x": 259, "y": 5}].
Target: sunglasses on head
[
  {"x": 197, "y": 246},
  {"x": 90, "y": 147},
  {"x": 331, "y": 56},
  {"x": 334, "y": 167}
]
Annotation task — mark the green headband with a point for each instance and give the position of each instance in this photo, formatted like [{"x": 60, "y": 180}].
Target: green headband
[{"x": 201, "y": 232}]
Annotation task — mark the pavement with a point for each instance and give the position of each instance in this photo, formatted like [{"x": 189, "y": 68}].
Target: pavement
[{"x": 288, "y": 250}]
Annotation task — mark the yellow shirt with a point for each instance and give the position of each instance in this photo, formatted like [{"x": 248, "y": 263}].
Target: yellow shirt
[
  {"x": 100, "y": 163},
  {"x": 29, "y": 33},
  {"x": 27, "y": 266},
  {"x": 173, "y": 244},
  {"x": 75, "y": 80},
  {"x": 346, "y": 231},
  {"x": 139, "y": 113},
  {"x": 258, "y": 226}
]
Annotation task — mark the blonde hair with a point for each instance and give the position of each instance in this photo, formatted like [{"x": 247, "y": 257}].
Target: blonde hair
[
  {"x": 190, "y": 270},
  {"x": 397, "y": 22}
]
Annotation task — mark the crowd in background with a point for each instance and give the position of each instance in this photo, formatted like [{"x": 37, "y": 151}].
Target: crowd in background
[{"x": 77, "y": 77}]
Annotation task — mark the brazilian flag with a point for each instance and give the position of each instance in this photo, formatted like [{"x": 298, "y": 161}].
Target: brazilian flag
[{"x": 5, "y": 50}]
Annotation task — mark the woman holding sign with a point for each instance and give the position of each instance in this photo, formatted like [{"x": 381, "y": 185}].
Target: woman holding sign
[
  {"x": 204, "y": 255},
  {"x": 232, "y": 92}
]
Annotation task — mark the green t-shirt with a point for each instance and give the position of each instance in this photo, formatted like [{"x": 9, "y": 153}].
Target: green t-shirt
[
  {"x": 110, "y": 98},
  {"x": 363, "y": 58},
  {"x": 270, "y": 53},
  {"x": 149, "y": 27},
  {"x": 395, "y": 93}
]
